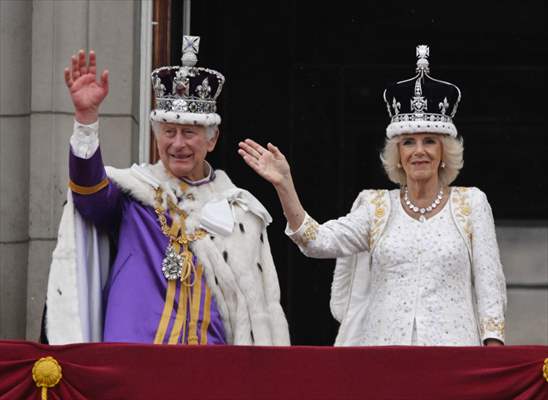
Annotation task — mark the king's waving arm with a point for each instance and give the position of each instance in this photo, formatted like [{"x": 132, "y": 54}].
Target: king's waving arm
[{"x": 95, "y": 197}]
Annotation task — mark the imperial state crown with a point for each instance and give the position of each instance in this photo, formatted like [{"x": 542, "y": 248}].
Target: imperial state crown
[{"x": 187, "y": 94}]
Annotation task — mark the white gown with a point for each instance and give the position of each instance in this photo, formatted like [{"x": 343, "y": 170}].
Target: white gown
[{"x": 423, "y": 288}]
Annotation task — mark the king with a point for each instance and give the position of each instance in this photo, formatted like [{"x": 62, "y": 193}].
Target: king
[{"x": 170, "y": 253}]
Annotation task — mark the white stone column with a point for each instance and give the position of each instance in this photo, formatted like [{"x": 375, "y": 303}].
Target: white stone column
[
  {"x": 60, "y": 29},
  {"x": 15, "y": 75}
]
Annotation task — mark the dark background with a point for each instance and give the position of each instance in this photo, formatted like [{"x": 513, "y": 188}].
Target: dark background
[{"x": 309, "y": 75}]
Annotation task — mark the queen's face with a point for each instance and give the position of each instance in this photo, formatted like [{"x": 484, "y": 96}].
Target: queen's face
[
  {"x": 420, "y": 156},
  {"x": 183, "y": 149}
]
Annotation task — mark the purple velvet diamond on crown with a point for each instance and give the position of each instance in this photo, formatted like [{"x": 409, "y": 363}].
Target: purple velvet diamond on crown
[
  {"x": 422, "y": 104},
  {"x": 187, "y": 94}
]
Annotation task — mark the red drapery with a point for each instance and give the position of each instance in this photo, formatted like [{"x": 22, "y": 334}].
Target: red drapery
[{"x": 132, "y": 371}]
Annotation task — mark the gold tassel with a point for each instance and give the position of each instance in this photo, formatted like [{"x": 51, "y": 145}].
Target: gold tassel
[{"x": 46, "y": 373}]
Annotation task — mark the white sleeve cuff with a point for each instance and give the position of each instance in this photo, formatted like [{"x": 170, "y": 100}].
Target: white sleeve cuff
[
  {"x": 85, "y": 139},
  {"x": 307, "y": 232},
  {"x": 291, "y": 233},
  {"x": 492, "y": 328}
]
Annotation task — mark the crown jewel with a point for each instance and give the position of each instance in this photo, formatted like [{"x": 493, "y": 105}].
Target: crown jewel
[
  {"x": 432, "y": 102},
  {"x": 187, "y": 94},
  {"x": 423, "y": 52}
]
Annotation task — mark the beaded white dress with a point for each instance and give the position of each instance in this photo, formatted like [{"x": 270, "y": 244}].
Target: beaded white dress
[{"x": 424, "y": 286}]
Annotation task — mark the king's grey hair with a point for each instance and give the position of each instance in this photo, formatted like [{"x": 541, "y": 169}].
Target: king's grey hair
[{"x": 210, "y": 129}]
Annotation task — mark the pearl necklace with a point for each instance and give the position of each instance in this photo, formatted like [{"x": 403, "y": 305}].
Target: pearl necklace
[{"x": 422, "y": 210}]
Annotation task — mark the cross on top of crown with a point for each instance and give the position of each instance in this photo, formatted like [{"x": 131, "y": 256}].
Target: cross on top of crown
[
  {"x": 191, "y": 46},
  {"x": 423, "y": 52}
]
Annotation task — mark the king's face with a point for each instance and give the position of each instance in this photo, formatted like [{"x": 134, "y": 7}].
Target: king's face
[{"x": 183, "y": 149}]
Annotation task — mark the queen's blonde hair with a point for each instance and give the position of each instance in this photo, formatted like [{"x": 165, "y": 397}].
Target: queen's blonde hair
[{"x": 452, "y": 154}]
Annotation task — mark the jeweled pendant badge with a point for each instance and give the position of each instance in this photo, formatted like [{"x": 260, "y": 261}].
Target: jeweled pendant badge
[{"x": 172, "y": 264}]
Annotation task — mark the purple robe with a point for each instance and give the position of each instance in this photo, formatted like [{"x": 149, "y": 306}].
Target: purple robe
[{"x": 135, "y": 293}]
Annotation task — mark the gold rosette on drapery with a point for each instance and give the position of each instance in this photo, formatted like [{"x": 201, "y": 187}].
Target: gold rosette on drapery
[{"x": 46, "y": 372}]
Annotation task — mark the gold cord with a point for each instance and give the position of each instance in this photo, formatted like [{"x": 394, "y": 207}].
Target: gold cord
[
  {"x": 182, "y": 239},
  {"x": 189, "y": 275}
]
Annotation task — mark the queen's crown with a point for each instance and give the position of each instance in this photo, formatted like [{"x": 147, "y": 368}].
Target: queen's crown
[{"x": 422, "y": 103}]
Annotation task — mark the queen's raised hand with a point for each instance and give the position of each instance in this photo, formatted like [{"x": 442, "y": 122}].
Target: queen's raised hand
[
  {"x": 268, "y": 162},
  {"x": 86, "y": 92},
  {"x": 271, "y": 164}
]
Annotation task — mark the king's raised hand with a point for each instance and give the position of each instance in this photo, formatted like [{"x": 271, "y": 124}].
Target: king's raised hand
[{"x": 86, "y": 92}]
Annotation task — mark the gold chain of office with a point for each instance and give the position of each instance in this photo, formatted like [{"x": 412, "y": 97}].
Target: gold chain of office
[{"x": 178, "y": 262}]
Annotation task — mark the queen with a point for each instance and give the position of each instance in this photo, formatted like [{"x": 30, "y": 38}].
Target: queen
[{"x": 417, "y": 265}]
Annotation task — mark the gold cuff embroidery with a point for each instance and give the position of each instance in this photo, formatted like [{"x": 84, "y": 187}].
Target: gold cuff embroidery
[
  {"x": 492, "y": 325},
  {"x": 310, "y": 232},
  {"x": 545, "y": 369},
  {"x": 87, "y": 190}
]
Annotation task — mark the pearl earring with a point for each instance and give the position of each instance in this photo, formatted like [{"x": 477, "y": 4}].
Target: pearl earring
[
  {"x": 399, "y": 165},
  {"x": 443, "y": 164}
]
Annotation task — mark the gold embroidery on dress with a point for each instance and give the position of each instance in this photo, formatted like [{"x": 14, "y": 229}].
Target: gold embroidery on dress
[
  {"x": 310, "y": 232},
  {"x": 378, "y": 217},
  {"x": 492, "y": 325},
  {"x": 463, "y": 210}
]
